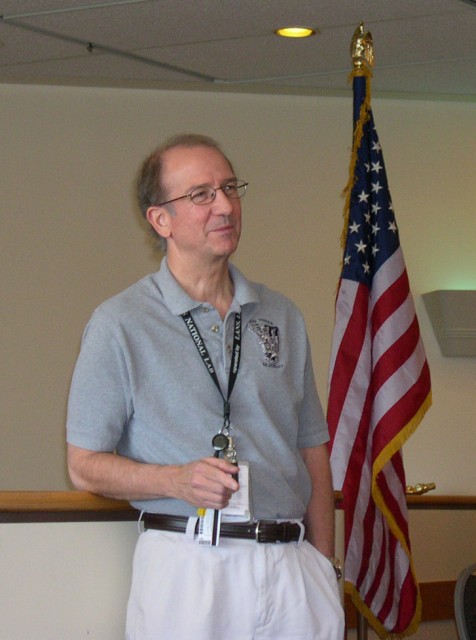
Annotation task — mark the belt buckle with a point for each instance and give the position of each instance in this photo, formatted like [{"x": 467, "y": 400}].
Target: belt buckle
[{"x": 258, "y": 528}]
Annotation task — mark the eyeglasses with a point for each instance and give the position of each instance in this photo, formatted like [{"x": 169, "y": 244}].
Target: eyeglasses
[{"x": 205, "y": 195}]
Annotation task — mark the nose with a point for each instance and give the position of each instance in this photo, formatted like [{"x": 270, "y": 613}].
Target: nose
[{"x": 222, "y": 204}]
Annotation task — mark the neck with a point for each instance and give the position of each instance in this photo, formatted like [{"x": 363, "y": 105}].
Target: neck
[{"x": 212, "y": 284}]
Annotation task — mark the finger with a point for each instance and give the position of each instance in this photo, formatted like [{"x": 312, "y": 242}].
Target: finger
[{"x": 224, "y": 465}]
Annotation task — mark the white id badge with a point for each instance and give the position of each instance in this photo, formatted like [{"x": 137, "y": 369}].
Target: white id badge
[
  {"x": 209, "y": 528},
  {"x": 239, "y": 509}
]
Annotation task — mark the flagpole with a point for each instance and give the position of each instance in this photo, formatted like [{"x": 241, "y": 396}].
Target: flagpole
[
  {"x": 362, "y": 627},
  {"x": 362, "y": 54}
]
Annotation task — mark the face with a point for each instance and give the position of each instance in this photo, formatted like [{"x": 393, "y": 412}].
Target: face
[{"x": 209, "y": 231}]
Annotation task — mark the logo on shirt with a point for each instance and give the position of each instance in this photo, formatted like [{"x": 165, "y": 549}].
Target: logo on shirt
[{"x": 268, "y": 338}]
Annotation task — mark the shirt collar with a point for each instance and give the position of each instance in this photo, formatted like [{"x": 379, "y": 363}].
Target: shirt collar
[{"x": 179, "y": 302}]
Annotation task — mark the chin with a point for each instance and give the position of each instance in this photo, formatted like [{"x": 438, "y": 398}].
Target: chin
[{"x": 226, "y": 247}]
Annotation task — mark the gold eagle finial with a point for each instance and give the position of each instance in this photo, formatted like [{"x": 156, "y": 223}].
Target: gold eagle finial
[{"x": 362, "y": 48}]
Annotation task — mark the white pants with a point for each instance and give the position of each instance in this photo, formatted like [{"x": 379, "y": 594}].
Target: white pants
[{"x": 240, "y": 590}]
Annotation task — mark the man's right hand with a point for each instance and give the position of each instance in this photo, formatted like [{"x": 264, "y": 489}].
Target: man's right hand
[{"x": 206, "y": 483}]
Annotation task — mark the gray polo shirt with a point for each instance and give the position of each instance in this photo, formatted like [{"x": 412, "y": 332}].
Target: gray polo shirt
[{"x": 141, "y": 388}]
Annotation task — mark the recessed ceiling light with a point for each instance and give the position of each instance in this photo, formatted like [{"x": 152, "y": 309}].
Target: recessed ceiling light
[{"x": 295, "y": 32}]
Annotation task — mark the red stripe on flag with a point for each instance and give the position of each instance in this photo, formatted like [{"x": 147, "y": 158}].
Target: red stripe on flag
[
  {"x": 388, "y": 301},
  {"x": 347, "y": 357},
  {"x": 408, "y": 596},
  {"x": 402, "y": 412}
]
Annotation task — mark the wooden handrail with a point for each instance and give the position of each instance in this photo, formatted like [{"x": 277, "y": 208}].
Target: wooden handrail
[
  {"x": 38, "y": 506},
  {"x": 61, "y": 506},
  {"x": 84, "y": 501},
  {"x": 58, "y": 501},
  {"x": 441, "y": 502}
]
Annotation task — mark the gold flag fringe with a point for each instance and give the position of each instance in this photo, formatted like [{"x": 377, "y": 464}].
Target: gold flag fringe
[
  {"x": 374, "y": 622},
  {"x": 357, "y": 139}
]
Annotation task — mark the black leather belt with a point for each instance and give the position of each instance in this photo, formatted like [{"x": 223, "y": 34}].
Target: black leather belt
[{"x": 261, "y": 531}]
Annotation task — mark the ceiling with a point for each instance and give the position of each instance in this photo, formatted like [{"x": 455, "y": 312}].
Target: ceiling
[{"x": 423, "y": 48}]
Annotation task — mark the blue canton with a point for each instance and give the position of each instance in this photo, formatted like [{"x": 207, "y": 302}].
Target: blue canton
[{"x": 372, "y": 235}]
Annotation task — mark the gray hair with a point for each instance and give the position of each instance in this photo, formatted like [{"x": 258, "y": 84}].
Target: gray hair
[{"x": 150, "y": 190}]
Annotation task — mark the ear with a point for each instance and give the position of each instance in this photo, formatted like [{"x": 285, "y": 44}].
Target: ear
[{"x": 158, "y": 218}]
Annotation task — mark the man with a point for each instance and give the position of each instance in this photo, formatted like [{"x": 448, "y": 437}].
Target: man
[{"x": 209, "y": 453}]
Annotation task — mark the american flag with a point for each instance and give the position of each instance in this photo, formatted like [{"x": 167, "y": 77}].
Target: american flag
[{"x": 379, "y": 389}]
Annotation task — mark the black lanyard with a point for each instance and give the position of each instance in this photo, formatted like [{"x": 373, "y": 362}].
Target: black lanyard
[{"x": 207, "y": 361}]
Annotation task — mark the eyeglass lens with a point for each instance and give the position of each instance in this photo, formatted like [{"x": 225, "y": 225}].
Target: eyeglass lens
[{"x": 204, "y": 195}]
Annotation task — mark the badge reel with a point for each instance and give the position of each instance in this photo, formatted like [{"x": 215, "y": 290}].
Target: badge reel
[{"x": 219, "y": 443}]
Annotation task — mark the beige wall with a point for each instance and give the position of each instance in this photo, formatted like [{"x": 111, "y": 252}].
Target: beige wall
[{"x": 70, "y": 237}]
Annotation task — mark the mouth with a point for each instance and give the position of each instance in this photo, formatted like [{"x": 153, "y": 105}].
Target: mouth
[{"x": 223, "y": 229}]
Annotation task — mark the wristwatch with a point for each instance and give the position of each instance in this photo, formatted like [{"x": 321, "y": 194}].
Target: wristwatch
[{"x": 337, "y": 564}]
